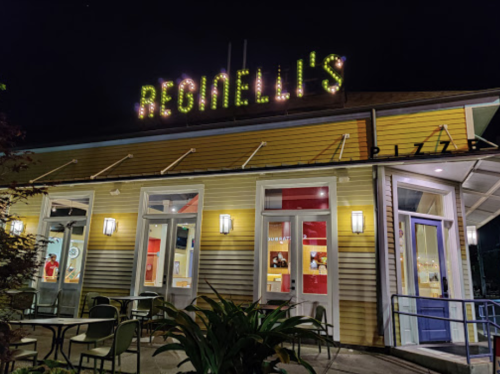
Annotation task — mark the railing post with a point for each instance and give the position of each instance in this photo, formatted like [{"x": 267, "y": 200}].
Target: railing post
[
  {"x": 488, "y": 331},
  {"x": 394, "y": 321},
  {"x": 466, "y": 332}
]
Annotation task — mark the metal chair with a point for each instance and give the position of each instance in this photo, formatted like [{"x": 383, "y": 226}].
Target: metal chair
[
  {"x": 88, "y": 303},
  {"x": 32, "y": 289},
  {"x": 124, "y": 335},
  {"x": 97, "y": 332},
  {"x": 23, "y": 301},
  {"x": 320, "y": 316},
  {"x": 102, "y": 300},
  {"x": 16, "y": 354},
  {"x": 144, "y": 310},
  {"x": 53, "y": 306}
]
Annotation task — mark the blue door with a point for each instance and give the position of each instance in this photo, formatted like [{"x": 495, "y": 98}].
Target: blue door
[{"x": 430, "y": 279}]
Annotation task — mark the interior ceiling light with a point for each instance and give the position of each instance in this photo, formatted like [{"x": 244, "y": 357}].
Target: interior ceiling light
[{"x": 438, "y": 170}]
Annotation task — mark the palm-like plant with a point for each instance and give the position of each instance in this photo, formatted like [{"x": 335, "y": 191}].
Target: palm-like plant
[{"x": 238, "y": 339}]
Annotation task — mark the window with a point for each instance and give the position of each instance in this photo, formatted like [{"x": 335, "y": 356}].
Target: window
[
  {"x": 64, "y": 207},
  {"x": 296, "y": 198},
  {"x": 183, "y": 256},
  {"x": 173, "y": 203},
  {"x": 420, "y": 202}
]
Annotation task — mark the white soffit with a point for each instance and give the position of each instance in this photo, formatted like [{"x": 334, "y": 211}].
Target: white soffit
[{"x": 480, "y": 181}]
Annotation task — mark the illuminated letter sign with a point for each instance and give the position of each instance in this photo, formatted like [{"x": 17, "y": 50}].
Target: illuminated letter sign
[{"x": 294, "y": 88}]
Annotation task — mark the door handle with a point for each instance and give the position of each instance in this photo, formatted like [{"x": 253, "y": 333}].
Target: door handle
[
  {"x": 445, "y": 287},
  {"x": 164, "y": 279}
]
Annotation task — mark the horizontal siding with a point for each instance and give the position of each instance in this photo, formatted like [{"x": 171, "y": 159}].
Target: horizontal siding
[
  {"x": 407, "y": 129},
  {"x": 358, "y": 323},
  {"x": 304, "y": 144},
  {"x": 241, "y": 237},
  {"x": 108, "y": 269},
  {"x": 229, "y": 272},
  {"x": 357, "y": 277},
  {"x": 122, "y": 239}
]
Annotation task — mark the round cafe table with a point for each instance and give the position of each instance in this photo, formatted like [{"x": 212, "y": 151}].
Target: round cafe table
[{"x": 59, "y": 326}]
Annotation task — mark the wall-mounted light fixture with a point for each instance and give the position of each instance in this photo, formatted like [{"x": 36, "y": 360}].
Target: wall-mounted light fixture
[
  {"x": 225, "y": 224},
  {"x": 16, "y": 227},
  {"x": 109, "y": 226},
  {"x": 472, "y": 235},
  {"x": 357, "y": 222}
]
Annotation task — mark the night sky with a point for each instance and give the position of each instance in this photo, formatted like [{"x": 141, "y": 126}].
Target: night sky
[{"x": 74, "y": 69}]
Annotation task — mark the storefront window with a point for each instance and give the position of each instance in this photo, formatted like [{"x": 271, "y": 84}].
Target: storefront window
[
  {"x": 173, "y": 203},
  {"x": 420, "y": 202},
  {"x": 75, "y": 255},
  {"x": 296, "y": 198},
  {"x": 428, "y": 265},
  {"x": 183, "y": 258},
  {"x": 64, "y": 207},
  {"x": 155, "y": 259},
  {"x": 278, "y": 257},
  {"x": 314, "y": 259},
  {"x": 54, "y": 251}
]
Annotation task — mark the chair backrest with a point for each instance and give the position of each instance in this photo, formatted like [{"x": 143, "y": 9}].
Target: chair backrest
[
  {"x": 23, "y": 300},
  {"x": 148, "y": 293},
  {"x": 89, "y": 300},
  {"x": 320, "y": 314},
  {"x": 27, "y": 289},
  {"x": 124, "y": 335},
  {"x": 277, "y": 302},
  {"x": 102, "y": 329},
  {"x": 146, "y": 304},
  {"x": 102, "y": 300}
]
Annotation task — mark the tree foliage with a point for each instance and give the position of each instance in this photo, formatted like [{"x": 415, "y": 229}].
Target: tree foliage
[{"x": 19, "y": 254}]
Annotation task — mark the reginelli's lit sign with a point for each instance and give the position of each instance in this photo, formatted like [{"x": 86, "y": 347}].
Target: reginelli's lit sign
[{"x": 250, "y": 87}]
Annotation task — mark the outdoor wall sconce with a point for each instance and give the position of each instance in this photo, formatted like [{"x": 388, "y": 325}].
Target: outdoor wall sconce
[
  {"x": 357, "y": 222},
  {"x": 225, "y": 224},
  {"x": 472, "y": 235},
  {"x": 109, "y": 226},
  {"x": 16, "y": 227}
]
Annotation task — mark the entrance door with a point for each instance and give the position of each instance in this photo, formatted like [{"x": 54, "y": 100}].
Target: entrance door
[
  {"x": 168, "y": 252},
  {"x": 430, "y": 279},
  {"x": 64, "y": 264},
  {"x": 295, "y": 265}
]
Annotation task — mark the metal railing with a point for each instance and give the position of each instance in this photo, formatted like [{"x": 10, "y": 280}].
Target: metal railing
[{"x": 487, "y": 323}]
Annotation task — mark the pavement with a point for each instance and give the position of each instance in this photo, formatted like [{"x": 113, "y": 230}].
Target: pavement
[{"x": 343, "y": 360}]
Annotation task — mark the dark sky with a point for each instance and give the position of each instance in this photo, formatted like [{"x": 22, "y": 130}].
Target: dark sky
[{"x": 74, "y": 69}]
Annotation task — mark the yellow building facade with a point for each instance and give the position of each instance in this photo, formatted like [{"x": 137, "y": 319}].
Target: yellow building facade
[{"x": 327, "y": 209}]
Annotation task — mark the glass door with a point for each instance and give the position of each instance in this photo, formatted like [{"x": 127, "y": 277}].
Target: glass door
[
  {"x": 64, "y": 264},
  {"x": 430, "y": 279},
  {"x": 168, "y": 253},
  {"x": 279, "y": 262},
  {"x": 295, "y": 263},
  {"x": 313, "y": 259}
]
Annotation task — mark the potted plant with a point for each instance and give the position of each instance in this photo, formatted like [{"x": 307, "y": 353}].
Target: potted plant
[{"x": 238, "y": 339}]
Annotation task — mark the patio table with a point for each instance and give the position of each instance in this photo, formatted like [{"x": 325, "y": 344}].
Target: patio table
[
  {"x": 56, "y": 325},
  {"x": 125, "y": 300}
]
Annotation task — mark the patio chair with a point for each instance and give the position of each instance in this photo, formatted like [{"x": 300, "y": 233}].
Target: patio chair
[
  {"x": 320, "y": 316},
  {"x": 88, "y": 303},
  {"x": 144, "y": 310},
  {"x": 54, "y": 306},
  {"x": 32, "y": 289},
  {"x": 16, "y": 354},
  {"x": 97, "y": 332},
  {"x": 102, "y": 300},
  {"x": 22, "y": 302},
  {"x": 124, "y": 335}
]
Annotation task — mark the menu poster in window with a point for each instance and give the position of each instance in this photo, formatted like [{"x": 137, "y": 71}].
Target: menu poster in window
[
  {"x": 278, "y": 259},
  {"x": 318, "y": 259}
]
